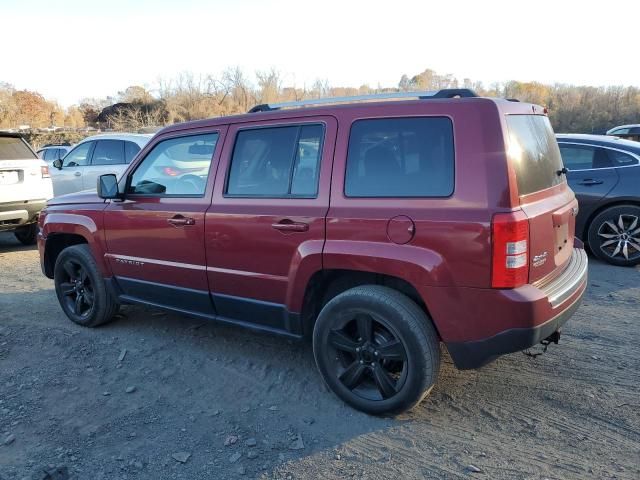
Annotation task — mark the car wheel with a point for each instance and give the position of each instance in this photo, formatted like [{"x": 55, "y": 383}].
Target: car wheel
[
  {"x": 614, "y": 235},
  {"x": 376, "y": 350},
  {"x": 80, "y": 288},
  {"x": 27, "y": 235}
]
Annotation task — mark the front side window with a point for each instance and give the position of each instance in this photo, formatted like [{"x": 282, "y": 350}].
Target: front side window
[
  {"x": 79, "y": 156},
  {"x": 400, "y": 157},
  {"x": 108, "y": 152},
  {"x": 276, "y": 162},
  {"x": 177, "y": 166}
]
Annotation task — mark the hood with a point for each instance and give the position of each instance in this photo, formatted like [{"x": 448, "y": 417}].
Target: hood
[{"x": 87, "y": 196}]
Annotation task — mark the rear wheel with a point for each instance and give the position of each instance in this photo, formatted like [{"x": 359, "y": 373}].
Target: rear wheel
[
  {"x": 376, "y": 349},
  {"x": 614, "y": 235},
  {"x": 80, "y": 288},
  {"x": 27, "y": 235}
]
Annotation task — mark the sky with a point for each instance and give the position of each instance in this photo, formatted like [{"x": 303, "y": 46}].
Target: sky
[{"x": 68, "y": 50}]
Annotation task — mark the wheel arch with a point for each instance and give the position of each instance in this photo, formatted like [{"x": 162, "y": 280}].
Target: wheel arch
[
  {"x": 326, "y": 284},
  {"x": 61, "y": 230}
]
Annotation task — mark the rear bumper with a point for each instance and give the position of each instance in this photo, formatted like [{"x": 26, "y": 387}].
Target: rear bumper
[
  {"x": 16, "y": 214},
  {"x": 535, "y": 312}
]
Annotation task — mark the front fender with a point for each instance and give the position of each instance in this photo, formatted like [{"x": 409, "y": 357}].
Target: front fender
[{"x": 85, "y": 225}]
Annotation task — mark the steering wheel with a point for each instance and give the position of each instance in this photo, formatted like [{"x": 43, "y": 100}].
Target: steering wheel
[{"x": 190, "y": 184}]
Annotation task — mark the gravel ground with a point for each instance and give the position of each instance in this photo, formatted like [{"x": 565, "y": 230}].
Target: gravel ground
[{"x": 159, "y": 396}]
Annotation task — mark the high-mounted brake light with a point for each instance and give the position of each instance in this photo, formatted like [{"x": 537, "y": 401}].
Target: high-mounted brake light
[
  {"x": 45, "y": 172},
  {"x": 510, "y": 250}
]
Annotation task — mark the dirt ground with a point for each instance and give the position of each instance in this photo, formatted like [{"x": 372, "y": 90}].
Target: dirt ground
[{"x": 158, "y": 396}]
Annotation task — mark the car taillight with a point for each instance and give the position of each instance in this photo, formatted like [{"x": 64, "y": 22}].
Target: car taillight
[
  {"x": 45, "y": 172},
  {"x": 510, "y": 250}
]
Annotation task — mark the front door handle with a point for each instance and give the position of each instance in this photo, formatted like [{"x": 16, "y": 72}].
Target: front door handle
[
  {"x": 290, "y": 226},
  {"x": 590, "y": 181},
  {"x": 181, "y": 221},
  {"x": 77, "y": 174}
]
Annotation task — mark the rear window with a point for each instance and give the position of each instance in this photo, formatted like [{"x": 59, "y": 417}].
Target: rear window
[
  {"x": 534, "y": 153},
  {"x": 14, "y": 148},
  {"x": 400, "y": 157}
]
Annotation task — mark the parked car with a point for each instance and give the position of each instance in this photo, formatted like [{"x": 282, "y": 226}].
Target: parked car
[
  {"x": 25, "y": 186},
  {"x": 95, "y": 156},
  {"x": 378, "y": 229},
  {"x": 50, "y": 153},
  {"x": 629, "y": 132},
  {"x": 604, "y": 172}
]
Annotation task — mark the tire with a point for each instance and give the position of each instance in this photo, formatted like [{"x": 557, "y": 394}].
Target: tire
[
  {"x": 81, "y": 290},
  {"x": 376, "y": 350},
  {"x": 28, "y": 234},
  {"x": 614, "y": 235}
]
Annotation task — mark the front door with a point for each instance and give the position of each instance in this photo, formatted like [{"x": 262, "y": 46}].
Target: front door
[
  {"x": 69, "y": 178},
  {"x": 265, "y": 230},
  {"x": 155, "y": 237}
]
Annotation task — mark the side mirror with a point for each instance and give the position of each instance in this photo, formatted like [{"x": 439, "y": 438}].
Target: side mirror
[
  {"x": 108, "y": 186},
  {"x": 58, "y": 164}
]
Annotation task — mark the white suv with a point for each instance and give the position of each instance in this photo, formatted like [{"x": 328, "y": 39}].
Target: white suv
[
  {"x": 94, "y": 156},
  {"x": 25, "y": 187}
]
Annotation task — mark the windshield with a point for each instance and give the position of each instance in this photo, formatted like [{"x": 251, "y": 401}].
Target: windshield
[
  {"x": 534, "y": 153},
  {"x": 14, "y": 148}
]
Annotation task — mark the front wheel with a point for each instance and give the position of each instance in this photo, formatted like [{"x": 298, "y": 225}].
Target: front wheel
[
  {"x": 376, "y": 350},
  {"x": 614, "y": 235},
  {"x": 80, "y": 288}
]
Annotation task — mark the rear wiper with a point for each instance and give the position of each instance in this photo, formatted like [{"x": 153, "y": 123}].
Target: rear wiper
[{"x": 563, "y": 170}]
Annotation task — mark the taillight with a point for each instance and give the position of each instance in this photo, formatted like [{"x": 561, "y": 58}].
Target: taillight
[
  {"x": 510, "y": 248},
  {"x": 45, "y": 172}
]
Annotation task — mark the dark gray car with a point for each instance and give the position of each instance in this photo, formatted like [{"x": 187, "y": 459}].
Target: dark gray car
[{"x": 604, "y": 172}]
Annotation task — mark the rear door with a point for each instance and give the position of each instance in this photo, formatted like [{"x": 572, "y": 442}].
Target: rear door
[
  {"x": 68, "y": 179},
  {"x": 108, "y": 157},
  {"x": 545, "y": 197},
  {"x": 23, "y": 176},
  {"x": 266, "y": 225},
  {"x": 591, "y": 175}
]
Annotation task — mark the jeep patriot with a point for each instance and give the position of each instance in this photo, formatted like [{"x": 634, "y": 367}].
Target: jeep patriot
[{"x": 381, "y": 230}]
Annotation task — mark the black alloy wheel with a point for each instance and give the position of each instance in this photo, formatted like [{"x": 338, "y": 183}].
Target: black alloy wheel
[
  {"x": 77, "y": 289},
  {"x": 372, "y": 362}
]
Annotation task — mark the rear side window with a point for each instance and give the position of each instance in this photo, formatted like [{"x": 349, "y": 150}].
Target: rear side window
[
  {"x": 14, "y": 148},
  {"x": 400, "y": 157},
  {"x": 130, "y": 151},
  {"x": 534, "y": 153},
  {"x": 108, "y": 152},
  {"x": 276, "y": 162},
  {"x": 583, "y": 157}
]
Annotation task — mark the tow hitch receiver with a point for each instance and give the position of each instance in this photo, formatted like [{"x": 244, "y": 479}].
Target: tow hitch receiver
[{"x": 553, "y": 338}]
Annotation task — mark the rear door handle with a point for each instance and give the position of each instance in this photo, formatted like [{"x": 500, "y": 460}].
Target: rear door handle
[
  {"x": 590, "y": 181},
  {"x": 77, "y": 174},
  {"x": 290, "y": 226},
  {"x": 181, "y": 221}
]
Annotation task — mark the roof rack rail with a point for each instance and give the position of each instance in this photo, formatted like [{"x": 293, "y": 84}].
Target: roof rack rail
[{"x": 444, "y": 93}]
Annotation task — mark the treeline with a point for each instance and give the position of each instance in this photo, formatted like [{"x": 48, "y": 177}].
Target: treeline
[{"x": 188, "y": 97}]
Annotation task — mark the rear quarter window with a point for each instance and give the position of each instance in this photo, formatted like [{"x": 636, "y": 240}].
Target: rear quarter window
[
  {"x": 533, "y": 152},
  {"x": 400, "y": 157}
]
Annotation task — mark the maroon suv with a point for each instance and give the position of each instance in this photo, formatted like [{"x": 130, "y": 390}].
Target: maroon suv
[{"x": 381, "y": 230}]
